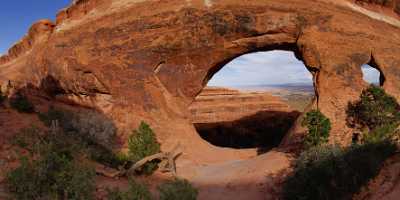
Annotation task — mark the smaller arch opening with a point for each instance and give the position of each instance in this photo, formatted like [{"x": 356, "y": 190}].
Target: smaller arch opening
[{"x": 372, "y": 75}]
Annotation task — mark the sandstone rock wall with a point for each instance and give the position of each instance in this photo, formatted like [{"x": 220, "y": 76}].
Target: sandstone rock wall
[
  {"x": 223, "y": 105},
  {"x": 393, "y": 5},
  {"x": 40, "y": 31},
  {"x": 389, "y": 9},
  {"x": 148, "y": 59},
  {"x": 78, "y": 9}
]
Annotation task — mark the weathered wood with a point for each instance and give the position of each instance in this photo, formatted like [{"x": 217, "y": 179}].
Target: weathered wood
[
  {"x": 54, "y": 128},
  {"x": 167, "y": 164},
  {"x": 167, "y": 160},
  {"x": 140, "y": 163}
]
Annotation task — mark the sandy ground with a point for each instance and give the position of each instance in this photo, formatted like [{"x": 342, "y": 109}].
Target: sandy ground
[{"x": 241, "y": 179}]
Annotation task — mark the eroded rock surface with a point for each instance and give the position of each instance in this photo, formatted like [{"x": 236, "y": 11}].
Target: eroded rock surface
[
  {"x": 215, "y": 104},
  {"x": 241, "y": 119},
  {"x": 386, "y": 6}
]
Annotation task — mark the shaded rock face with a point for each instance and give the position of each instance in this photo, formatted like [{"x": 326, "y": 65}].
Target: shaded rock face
[
  {"x": 148, "y": 60},
  {"x": 263, "y": 130},
  {"x": 238, "y": 119}
]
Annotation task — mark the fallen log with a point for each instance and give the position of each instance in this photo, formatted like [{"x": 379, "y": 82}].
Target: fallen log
[
  {"x": 167, "y": 164},
  {"x": 167, "y": 160}
]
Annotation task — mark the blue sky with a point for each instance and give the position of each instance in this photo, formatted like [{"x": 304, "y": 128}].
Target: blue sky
[
  {"x": 16, "y": 16},
  {"x": 270, "y": 68}
]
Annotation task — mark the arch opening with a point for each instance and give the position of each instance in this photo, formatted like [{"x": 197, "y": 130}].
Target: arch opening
[
  {"x": 253, "y": 100},
  {"x": 372, "y": 75}
]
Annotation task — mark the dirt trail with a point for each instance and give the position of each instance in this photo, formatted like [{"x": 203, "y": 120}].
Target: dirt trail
[{"x": 239, "y": 179}]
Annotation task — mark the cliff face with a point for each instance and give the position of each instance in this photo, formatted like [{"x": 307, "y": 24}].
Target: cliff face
[
  {"x": 147, "y": 59},
  {"x": 224, "y": 105},
  {"x": 237, "y": 119},
  {"x": 382, "y": 5},
  {"x": 39, "y": 32}
]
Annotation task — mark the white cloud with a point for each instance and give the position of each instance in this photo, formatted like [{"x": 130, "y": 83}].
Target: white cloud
[
  {"x": 263, "y": 68},
  {"x": 371, "y": 75}
]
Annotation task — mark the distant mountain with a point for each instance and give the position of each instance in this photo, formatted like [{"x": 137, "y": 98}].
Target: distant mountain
[{"x": 292, "y": 87}]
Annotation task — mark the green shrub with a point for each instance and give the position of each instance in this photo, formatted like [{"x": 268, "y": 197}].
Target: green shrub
[
  {"x": 28, "y": 138},
  {"x": 135, "y": 191},
  {"x": 380, "y": 133},
  {"x": 143, "y": 143},
  {"x": 53, "y": 172},
  {"x": 93, "y": 132},
  {"x": 21, "y": 182},
  {"x": 177, "y": 190},
  {"x": 318, "y": 128},
  {"x": 107, "y": 157},
  {"x": 22, "y": 104},
  {"x": 375, "y": 108},
  {"x": 376, "y": 114},
  {"x": 333, "y": 172}
]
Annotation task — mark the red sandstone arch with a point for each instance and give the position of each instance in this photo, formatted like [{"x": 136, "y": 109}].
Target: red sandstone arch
[{"x": 151, "y": 64}]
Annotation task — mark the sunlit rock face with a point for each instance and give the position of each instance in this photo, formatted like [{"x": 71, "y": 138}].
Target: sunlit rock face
[
  {"x": 216, "y": 104},
  {"x": 390, "y": 5},
  {"x": 146, "y": 60},
  {"x": 241, "y": 119}
]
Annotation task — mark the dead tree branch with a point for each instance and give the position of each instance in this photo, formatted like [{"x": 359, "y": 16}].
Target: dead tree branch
[
  {"x": 167, "y": 160},
  {"x": 167, "y": 164}
]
